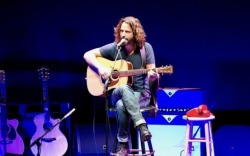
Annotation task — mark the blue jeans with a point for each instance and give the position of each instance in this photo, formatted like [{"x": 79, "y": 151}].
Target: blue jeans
[{"x": 126, "y": 101}]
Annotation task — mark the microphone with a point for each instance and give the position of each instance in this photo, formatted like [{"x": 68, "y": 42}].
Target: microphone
[{"x": 122, "y": 42}]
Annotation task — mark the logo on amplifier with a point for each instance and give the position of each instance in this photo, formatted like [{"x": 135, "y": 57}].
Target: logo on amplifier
[
  {"x": 169, "y": 118},
  {"x": 170, "y": 92}
]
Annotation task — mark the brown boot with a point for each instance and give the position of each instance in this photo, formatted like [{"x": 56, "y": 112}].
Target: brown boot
[
  {"x": 123, "y": 149},
  {"x": 145, "y": 134}
]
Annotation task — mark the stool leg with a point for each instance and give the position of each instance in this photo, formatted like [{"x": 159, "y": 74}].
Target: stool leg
[
  {"x": 207, "y": 139},
  {"x": 189, "y": 133},
  {"x": 143, "y": 147},
  {"x": 211, "y": 138},
  {"x": 115, "y": 145},
  {"x": 150, "y": 147}
]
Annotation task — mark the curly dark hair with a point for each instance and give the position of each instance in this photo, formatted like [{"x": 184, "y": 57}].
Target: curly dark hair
[{"x": 138, "y": 31}]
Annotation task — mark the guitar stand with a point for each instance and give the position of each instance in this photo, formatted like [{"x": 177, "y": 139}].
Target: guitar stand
[
  {"x": 39, "y": 139},
  {"x": 38, "y": 144}
]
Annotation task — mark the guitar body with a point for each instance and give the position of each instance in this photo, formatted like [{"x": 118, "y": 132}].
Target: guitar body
[
  {"x": 10, "y": 141},
  {"x": 95, "y": 84},
  {"x": 14, "y": 143},
  {"x": 54, "y": 142}
]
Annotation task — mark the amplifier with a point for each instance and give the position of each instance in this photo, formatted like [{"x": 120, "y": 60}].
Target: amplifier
[
  {"x": 167, "y": 127},
  {"x": 169, "y": 135},
  {"x": 178, "y": 100}
]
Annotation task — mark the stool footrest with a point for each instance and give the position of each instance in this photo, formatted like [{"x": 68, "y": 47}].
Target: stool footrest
[
  {"x": 196, "y": 140},
  {"x": 148, "y": 153}
]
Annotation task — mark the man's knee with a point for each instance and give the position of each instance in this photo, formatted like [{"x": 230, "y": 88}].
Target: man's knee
[
  {"x": 119, "y": 106},
  {"x": 124, "y": 88}
]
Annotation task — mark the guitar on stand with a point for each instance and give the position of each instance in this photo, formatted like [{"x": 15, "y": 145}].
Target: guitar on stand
[
  {"x": 10, "y": 141},
  {"x": 53, "y": 143}
]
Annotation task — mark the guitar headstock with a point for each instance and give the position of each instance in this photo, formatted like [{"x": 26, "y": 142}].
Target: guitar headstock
[
  {"x": 43, "y": 73},
  {"x": 165, "y": 70},
  {"x": 2, "y": 76}
]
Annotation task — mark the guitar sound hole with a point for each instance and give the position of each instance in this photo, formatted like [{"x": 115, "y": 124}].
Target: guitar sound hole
[
  {"x": 113, "y": 76},
  {"x": 47, "y": 125},
  {"x": 12, "y": 133},
  {"x": 8, "y": 134},
  {"x": 48, "y": 139}
]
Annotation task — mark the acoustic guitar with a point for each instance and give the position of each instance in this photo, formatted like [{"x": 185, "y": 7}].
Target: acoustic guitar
[
  {"x": 123, "y": 73},
  {"x": 10, "y": 141},
  {"x": 53, "y": 143}
]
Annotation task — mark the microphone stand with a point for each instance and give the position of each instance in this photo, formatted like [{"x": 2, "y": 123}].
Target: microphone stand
[
  {"x": 38, "y": 140},
  {"x": 105, "y": 89}
]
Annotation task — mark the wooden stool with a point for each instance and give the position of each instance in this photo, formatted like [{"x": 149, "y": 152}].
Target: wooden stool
[
  {"x": 208, "y": 139},
  {"x": 136, "y": 152}
]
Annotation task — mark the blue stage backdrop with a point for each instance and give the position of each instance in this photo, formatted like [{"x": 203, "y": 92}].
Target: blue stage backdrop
[{"x": 206, "y": 42}]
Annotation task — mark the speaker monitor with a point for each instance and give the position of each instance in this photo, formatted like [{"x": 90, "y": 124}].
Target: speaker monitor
[{"x": 168, "y": 135}]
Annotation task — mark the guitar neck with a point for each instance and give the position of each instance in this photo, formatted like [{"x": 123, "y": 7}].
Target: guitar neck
[
  {"x": 45, "y": 91},
  {"x": 3, "y": 109},
  {"x": 130, "y": 72},
  {"x": 2, "y": 87},
  {"x": 2, "y": 94},
  {"x": 44, "y": 75},
  {"x": 46, "y": 100}
]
